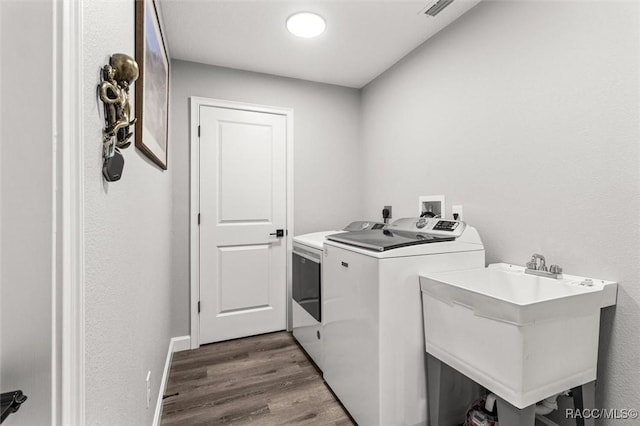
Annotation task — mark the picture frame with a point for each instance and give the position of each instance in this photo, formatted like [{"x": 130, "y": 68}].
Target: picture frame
[{"x": 152, "y": 87}]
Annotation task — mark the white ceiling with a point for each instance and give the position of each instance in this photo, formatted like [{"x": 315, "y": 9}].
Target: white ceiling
[{"x": 362, "y": 40}]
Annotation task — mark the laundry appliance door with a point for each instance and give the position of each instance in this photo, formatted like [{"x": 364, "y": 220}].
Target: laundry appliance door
[{"x": 306, "y": 283}]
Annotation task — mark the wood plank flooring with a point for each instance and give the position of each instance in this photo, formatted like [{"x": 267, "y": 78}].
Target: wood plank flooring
[{"x": 263, "y": 380}]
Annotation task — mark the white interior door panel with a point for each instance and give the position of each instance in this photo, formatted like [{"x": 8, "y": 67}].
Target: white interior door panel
[{"x": 242, "y": 204}]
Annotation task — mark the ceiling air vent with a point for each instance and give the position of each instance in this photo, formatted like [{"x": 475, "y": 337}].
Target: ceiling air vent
[{"x": 437, "y": 7}]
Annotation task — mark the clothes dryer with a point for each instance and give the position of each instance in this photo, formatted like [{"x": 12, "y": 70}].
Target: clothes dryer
[{"x": 306, "y": 304}]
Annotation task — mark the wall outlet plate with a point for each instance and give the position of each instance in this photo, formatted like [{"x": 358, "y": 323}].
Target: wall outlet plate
[
  {"x": 390, "y": 211},
  {"x": 148, "y": 389},
  {"x": 457, "y": 209}
]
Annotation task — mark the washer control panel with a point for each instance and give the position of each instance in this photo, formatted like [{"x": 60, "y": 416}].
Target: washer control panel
[
  {"x": 446, "y": 225},
  {"x": 434, "y": 226}
]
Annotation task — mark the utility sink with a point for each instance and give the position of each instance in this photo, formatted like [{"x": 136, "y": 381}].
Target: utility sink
[{"x": 524, "y": 337}]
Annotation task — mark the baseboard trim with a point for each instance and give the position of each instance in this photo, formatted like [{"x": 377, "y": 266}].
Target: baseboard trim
[
  {"x": 181, "y": 343},
  {"x": 176, "y": 344}
]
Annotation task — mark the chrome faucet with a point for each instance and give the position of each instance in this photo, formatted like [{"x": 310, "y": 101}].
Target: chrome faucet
[
  {"x": 540, "y": 268},
  {"x": 533, "y": 264}
]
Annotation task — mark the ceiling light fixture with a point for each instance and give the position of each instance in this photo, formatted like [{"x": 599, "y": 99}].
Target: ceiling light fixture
[{"x": 306, "y": 25}]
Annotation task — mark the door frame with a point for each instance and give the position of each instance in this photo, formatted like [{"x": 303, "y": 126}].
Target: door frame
[
  {"x": 194, "y": 200},
  {"x": 68, "y": 322}
]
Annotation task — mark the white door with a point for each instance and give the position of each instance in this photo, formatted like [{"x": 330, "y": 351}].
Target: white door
[{"x": 242, "y": 205}]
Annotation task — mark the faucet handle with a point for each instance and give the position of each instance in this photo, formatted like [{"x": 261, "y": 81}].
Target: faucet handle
[
  {"x": 532, "y": 265},
  {"x": 555, "y": 269}
]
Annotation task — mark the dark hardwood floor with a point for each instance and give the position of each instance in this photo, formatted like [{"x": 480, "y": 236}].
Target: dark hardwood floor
[{"x": 263, "y": 380}]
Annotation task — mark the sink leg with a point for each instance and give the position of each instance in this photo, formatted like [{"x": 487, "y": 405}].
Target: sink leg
[
  {"x": 584, "y": 397},
  {"x": 449, "y": 393},
  {"x": 434, "y": 371},
  {"x": 509, "y": 415}
]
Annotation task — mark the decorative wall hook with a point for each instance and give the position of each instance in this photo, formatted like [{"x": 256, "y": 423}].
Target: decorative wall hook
[{"x": 117, "y": 77}]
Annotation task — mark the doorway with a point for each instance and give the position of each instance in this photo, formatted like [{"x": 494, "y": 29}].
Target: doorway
[{"x": 241, "y": 212}]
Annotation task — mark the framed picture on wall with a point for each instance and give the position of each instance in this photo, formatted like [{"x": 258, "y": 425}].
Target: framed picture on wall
[{"x": 152, "y": 87}]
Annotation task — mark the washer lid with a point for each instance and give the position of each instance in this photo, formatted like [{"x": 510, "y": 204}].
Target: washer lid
[{"x": 385, "y": 239}]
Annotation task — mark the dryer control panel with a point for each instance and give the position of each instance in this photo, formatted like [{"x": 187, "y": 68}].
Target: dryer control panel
[{"x": 434, "y": 226}]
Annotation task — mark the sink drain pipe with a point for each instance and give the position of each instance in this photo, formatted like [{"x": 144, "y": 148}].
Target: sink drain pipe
[
  {"x": 550, "y": 404},
  {"x": 543, "y": 407},
  {"x": 547, "y": 405}
]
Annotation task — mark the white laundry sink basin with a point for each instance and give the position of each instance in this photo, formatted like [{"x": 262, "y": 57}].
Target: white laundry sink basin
[
  {"x": 524, "y": 337},
  {"x": 504, "y": 292}
]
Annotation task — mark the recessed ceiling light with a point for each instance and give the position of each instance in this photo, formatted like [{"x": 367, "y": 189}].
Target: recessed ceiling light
[{"x": 306, "y": 24}]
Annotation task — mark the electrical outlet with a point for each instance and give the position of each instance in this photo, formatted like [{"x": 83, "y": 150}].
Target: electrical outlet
[
  {"x": 390, "y": 212},
  {"x": 148, "y": 389},
  {"x": 456, "y": 210}
]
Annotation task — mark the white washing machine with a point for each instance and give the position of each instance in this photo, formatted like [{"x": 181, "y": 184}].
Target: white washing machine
[
  {"x": 373, "y": 340},
  {"x": 306, "y": 306}
]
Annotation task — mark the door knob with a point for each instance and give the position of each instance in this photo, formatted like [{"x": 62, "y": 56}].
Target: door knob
[{"x": 279, "y": 233}]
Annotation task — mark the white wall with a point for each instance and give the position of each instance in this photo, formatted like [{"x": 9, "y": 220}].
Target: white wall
[
  {"x": 527, "y": 114},
  {"x": 26, "y": 213},
  {"x": 326, "y": 153},
  {"x": 128, "y": 248}
]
